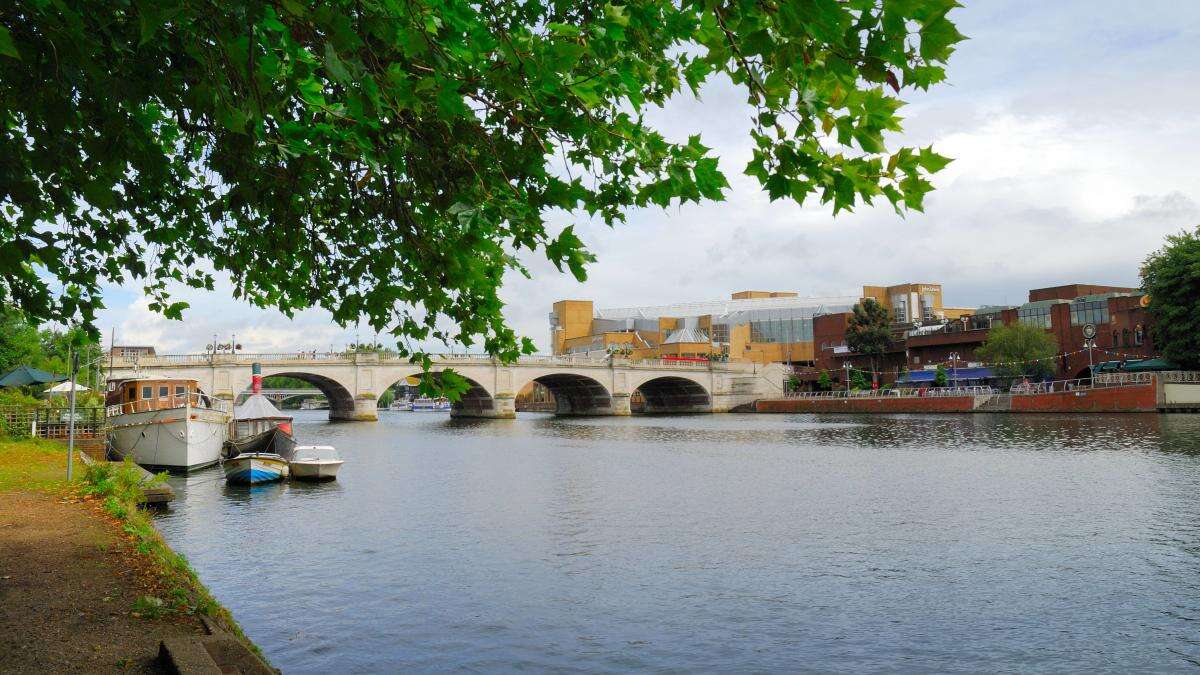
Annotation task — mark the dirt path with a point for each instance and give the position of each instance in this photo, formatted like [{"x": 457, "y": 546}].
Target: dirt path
[{"x": 68, "y": 583}]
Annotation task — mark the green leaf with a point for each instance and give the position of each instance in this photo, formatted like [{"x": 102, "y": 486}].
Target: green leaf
[
  {"x": 7, "y": 48},
  {"x": 335, "y": 66}
]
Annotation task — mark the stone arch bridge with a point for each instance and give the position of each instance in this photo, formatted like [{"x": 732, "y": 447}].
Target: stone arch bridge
[{"x": 581, "y": 386}]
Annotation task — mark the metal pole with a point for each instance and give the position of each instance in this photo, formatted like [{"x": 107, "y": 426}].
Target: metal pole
[
  {"x": 73, "y": 361},
  {"x": 1091, "y": 368}
]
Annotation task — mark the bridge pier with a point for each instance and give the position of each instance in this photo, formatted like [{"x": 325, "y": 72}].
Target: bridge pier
[
  {"x": 503, "y": 407},
  {"x": 366, "y": 409}
]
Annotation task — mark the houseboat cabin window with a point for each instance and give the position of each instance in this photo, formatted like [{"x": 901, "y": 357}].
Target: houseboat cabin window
[
  {"x": 164, "y": 391},
  {"x": 179, "y": 390},
  {"x": 147, "y": 392}
]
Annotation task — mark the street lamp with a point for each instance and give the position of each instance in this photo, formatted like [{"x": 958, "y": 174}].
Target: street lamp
[
  {"x": 953, "y": 368},
  {"x": 846, "y": 365},
  {"x": 73, "y": 367}
]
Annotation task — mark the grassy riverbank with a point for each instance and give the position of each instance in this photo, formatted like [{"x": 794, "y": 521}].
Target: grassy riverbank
[{"x": 84, "y": 553}]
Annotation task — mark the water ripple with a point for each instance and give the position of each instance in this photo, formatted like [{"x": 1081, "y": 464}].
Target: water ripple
[{"x": 956, "y": 543}]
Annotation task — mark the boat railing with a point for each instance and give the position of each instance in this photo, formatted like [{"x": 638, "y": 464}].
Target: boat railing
[{"x": 192, "y": 400}]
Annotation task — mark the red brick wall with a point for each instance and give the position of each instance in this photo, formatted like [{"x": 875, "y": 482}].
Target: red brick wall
[{"x": 1140, "y": 398}]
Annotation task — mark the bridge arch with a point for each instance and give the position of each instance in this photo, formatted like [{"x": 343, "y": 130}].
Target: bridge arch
[
  {"x": 341, "y": 400},
  {"x": 476, "y": 402},
  {"x": 576, "y": 394},
  {"x": 673, "y": 394}
]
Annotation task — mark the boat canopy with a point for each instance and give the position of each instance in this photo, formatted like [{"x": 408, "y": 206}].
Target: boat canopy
[
  {"x": 258, "y": 407},
  {"x": 316, "y": 452}
]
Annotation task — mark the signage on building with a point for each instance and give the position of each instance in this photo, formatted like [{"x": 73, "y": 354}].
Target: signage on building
[{"x": 1089, "y": 331}]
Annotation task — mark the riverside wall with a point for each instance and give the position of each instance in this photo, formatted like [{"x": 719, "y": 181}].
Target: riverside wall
[
  {"x": 939, "y": 404},
  {"x": 1137, "y": 398},
  {"x": 1129, "y": 399}
]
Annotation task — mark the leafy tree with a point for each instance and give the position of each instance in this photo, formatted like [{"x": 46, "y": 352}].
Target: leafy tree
[
  {"x": 386, "y": 398},
  {"x": 869, "y": 330},
  {"x": 1171, "y": 277},
  {"x": 939, "y": 377},
  {"x": 824, "y": 382},
  {"x": 1018, "y": 350},
  {"x": 284, "y": 382},
  {"x": 858, "y": 380},
  {"x": 392, "y": 160},
  {"x": 20, "y": 341}
]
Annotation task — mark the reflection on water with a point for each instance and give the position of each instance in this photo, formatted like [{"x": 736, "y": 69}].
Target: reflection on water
[{"x": 723, "y": 542}]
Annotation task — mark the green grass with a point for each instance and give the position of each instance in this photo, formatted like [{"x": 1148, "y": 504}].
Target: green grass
[
  {"x": 120, "y": 490},
  {"x": 33, "y": 465}
]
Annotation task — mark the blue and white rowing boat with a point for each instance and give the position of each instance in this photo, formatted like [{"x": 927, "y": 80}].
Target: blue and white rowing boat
[{"x": 255, "y": 467}]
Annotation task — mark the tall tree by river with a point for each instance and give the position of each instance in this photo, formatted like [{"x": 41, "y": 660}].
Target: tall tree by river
[
  {"x": 387, "y": 160},
  {"x": 1171, "y": 279}
]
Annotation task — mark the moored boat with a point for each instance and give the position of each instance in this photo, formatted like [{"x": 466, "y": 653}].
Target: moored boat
[
  {"x": 260, "y": 440},
  {"x": 165, "y": 423},
  {"x": 315, "y": 462},
  {"x": 255, "y": 467},
  {"x": 402, "y": 405},
  {"x": 424, "y": 404}
]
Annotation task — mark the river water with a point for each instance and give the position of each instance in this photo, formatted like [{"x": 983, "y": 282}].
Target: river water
[{"x": 717, "y": 543}]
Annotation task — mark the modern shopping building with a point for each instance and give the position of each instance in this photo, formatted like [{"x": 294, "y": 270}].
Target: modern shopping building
[
  {"x": 1118, "y": 313},
  {"x": 753, "y": 326}
]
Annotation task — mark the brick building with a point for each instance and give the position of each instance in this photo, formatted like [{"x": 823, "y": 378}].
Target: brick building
[{"x": 1118, "y": 313}]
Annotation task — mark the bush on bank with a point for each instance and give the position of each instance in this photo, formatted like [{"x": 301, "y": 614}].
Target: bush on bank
[{"x": 120, "y": 489}]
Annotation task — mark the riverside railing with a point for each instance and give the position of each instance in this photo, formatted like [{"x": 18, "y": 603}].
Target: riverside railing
[
  {"x": 53, "y": 423},
  {"x": 193, "y": 400},
  {"x": 1101, "y": 381}
]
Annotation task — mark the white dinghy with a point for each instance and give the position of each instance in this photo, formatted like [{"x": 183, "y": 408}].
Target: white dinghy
[{"x": 315, "y": 462}]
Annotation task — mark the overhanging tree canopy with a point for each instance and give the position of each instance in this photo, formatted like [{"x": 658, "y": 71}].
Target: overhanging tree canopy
[{"x": 386, "y": 159}]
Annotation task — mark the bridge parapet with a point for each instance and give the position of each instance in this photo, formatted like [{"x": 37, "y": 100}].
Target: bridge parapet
[{"x": 325, "y": 358}]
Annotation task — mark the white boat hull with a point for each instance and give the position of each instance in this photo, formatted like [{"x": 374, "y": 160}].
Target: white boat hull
[
  {"x": 255, "y": 468},
  {"x": 175, "y": 439},
  {"x": 313, "y": 469}
]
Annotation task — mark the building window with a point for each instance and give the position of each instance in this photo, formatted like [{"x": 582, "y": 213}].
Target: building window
[
  {"x": 1093, "y": 312},
  {"x": 179, "y": 390},
  {"x": 1125, "y": 338},
  {"x": 781, "y": 330},
  {"x": 927, "y": 308},
  {"x": 979, "y": 321},
  {"x": 720, "y": 333},
  {"x": 1138, "y": 335},
  {"x": 1034, "y": 316},
  {"x": 1114, "y": 341},
  {"x": 899, "y": 308}
]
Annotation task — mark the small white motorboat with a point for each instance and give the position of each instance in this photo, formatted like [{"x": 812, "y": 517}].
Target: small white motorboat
[
  {"x": 252, "y": 468},
  {"x": 316, "y": 462}
]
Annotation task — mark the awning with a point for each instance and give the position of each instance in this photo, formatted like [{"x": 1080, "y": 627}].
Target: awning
[
  {"x": 65, "y": 388},
  {"x": 1136, "y": 366},
  {"x": 952, "y": 375},
  {"x": 23, "y": 376}
]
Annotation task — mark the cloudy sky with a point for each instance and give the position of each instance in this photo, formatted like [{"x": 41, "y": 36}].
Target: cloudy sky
[{"x": 1076, "y": 139}]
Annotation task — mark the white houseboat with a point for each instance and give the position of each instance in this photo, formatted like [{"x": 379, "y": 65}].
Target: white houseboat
[{"x": 165, "y": 423}]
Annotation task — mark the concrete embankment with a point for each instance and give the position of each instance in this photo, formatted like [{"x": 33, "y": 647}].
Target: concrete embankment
[
  {"x": 86, "y": 583},
  {"x": 1128, "y": 399}
]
